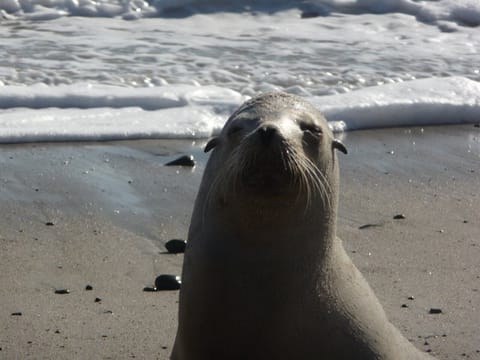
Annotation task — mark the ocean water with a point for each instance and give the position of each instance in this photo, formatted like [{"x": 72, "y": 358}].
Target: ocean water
[{"x": 121, "y": 69}]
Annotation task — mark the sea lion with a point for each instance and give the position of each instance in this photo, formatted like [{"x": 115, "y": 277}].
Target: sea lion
[{"x": 264, "y": 275}]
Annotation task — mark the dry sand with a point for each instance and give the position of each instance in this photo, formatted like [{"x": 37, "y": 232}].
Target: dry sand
[{"x": 99, "y": 214}]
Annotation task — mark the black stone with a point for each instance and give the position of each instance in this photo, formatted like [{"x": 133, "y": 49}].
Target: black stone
[
  {"x": 185, "y": 160},
  {"x": 18, "y": 313},
  {"x": 62, "y": 291},
  {"x": 49, "y": 223},
  {"x": 89, "y": 287},
  {"x": 149, "y": 289},
  {"x": 176, "y": 246},
  {"x": 98, "y": 299},
  {"x": 411, "y": 298},
  {"x": 404, "y": 306},
  {"x": 366, "y": 226},
  {"x": 435, "y": 311},
  {"x": 399, "y": 217},
  {"x": 167, "y": 282}
]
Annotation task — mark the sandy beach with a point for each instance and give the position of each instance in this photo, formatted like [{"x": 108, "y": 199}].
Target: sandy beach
[{"x": 99, "y": 214}]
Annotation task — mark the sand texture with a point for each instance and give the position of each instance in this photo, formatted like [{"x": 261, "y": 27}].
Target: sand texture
[{"x": 99, "y": 214}]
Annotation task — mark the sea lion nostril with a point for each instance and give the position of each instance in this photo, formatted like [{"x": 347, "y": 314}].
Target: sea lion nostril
[{"x": 267, "y": 133}]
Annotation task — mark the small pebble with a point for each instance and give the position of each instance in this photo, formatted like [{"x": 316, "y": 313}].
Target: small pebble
[
  {"x": 16, "y": 314},
  {"x": 49, "y": 223},
  {"x": 399, "y": 217},
  {"x": 476, "y": 125},
  {"x": 404, "y": 306},
  {"x": 366, "y": 226},
  {"x": 411, "y": 298},
  {"x": 89, "y": 287},
  {"x": 62, "y": 291},
  {"x": 98, "y": 299},
  {"x": 176, "y": 246},
  {"x": 185, "y": 160},
  {"x": 168, "y": 282},
  {"x": 149, "y": 289},
  {"x": 435, "y": 311}
]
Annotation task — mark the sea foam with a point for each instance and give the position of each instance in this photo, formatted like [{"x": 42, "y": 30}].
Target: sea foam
[
  {"x": 464, "y": 12},
  {"x": 74, "y": 113}
]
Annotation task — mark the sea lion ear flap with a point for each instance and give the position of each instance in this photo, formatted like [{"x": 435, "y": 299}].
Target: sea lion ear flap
[
  {"x": 337, "y": 144},
  {"x": 211, "y": 144}
]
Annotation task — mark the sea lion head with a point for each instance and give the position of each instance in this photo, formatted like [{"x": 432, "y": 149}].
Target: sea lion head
[{"x": 275, "y": 145}]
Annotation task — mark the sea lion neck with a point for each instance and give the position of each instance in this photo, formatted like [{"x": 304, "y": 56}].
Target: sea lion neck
[{"x": 276, "y": 225}]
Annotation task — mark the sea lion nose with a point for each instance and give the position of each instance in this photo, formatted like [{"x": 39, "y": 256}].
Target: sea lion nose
[{"x": 266, "y": 134}]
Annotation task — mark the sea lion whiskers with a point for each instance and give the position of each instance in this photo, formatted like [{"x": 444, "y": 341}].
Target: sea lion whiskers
[{"x": 310, "y": 179}]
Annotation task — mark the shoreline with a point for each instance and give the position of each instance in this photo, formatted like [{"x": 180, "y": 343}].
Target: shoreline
[{"x": 113, "y": 206}]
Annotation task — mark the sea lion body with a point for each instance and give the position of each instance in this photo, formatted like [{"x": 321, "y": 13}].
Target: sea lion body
[{"x": 264, "y": 275}]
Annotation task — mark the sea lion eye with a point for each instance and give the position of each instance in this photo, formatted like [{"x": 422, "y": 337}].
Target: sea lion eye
[{"x": 313, "y": 129}]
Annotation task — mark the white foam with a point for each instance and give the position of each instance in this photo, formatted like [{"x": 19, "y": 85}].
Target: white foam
[
  {"x": 434, "y": 101},
  {"x": 69, "y": 113},
  {"x": 99, "y": 124},
  {"x": 92, "y": 96},
  {"x": 465, "y": 12}
]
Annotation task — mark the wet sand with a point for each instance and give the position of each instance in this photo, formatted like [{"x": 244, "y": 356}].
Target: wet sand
[{"x": 99, "y": 214}]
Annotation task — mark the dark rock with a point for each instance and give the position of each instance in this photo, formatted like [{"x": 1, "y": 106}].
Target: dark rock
[
  {"x": 404, "y": 306},
  {"x": 89, "y": 287},
  {"x": 62, "y": 291},
  {"x": 176, "y": 246},
  {"x": 435, "y": 311},
  {"x": 49, "y": 223},
  {"x": 411, "y": 298},
  {"x": 185, "y": 160},
  {"x": 98, "y": 299},
  {"x": 168, "y": 282},
  {"x": 366, "y": 226},
  {"x": 18, "y": 313},
  {"x": 476, "y": 125},
  {"x": 149, "y": 289},
  {"x": 399, "y": 217}
]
